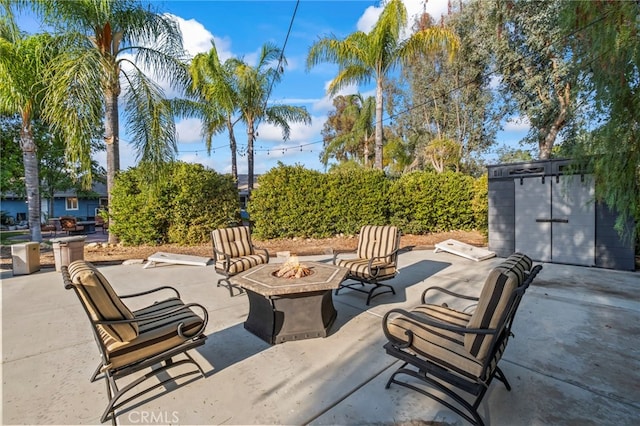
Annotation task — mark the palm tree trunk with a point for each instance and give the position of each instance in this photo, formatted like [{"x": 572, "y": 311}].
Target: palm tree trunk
[
  {"x": 250, "y": 136},
  {"x": 31, "y": 180},
  {"x": 378, "y": 142},
  {"x": 234, "y": 150},
  {"x": 111, "y": 138}
]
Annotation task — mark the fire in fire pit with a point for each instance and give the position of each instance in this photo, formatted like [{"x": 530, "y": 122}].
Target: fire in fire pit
[{"x": 293, "y": 269}]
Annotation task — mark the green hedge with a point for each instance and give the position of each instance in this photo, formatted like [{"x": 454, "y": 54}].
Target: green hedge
[
  {"x": 183, "y": 208},
  {"x": 292, "y": 201},
  {"x": 424, "y": 202},
  {"x": 289, "y": 202}
]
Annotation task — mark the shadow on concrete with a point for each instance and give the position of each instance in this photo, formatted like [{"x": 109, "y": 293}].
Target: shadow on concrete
[
  {"x": 230, "y": 346},
  {"x": 407, "y": 277}
]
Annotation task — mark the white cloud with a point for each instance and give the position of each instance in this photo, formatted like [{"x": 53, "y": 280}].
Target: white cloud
[
  {"x": 197, "y": 39},
  {"x": 517, "y": 124},
  {"x": 189, "y": 130},
  {"x": 300, "y": 133},
  {"x": 436, "y": 8},
  {"x": 369, "y": 18}
]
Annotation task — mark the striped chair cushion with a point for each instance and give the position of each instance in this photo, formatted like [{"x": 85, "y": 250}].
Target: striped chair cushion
[
  {"x": 442, "y": 347},
  {"x": 234, "y": 241},
  {"x": 518, "y": 263},
  {"x": 377, "y": 241},
  {"x": 494, "y": 301},
  {"x": 101, "y": 301},
  {"x": 155, "y": 336},
  {"x": 243, "y": 263},
  {"x": 360, "y": 268}
]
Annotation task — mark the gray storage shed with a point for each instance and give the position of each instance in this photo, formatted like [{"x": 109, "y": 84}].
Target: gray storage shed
[{"x": 547, "y": 210}]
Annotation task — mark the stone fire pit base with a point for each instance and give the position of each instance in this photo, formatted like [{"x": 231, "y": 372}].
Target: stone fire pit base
[
  {"x": 278, "y": 319},
  {"x": 284, "y": 309}
]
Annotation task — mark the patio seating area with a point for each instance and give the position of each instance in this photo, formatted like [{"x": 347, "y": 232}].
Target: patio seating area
[{"x": 573, "y": 359}]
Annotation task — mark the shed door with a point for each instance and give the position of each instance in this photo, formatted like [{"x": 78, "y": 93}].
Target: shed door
[
  {"x": 573, "y": 232},
  {"x": 533, "y": 213}
]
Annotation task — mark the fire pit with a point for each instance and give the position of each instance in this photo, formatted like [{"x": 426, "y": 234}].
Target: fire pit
[
  {"x": 285, "y": 305},
  {"x": 293, "y": 269}
]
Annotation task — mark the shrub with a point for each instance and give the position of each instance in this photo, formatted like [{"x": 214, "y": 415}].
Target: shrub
[
  {"x": 182, "y": 208},
  {"x": 481, "y": 203},
  {"x": 289, "y": 202},
  {"x": 357, "y": 197},
  {"x": 423, "y": 202}
]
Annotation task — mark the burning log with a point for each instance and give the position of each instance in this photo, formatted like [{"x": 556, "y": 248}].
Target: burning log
[{"x": 293, "y": 269}]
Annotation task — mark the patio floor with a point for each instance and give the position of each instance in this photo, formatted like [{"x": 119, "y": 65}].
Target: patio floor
[{"x": 575, "y": 358}]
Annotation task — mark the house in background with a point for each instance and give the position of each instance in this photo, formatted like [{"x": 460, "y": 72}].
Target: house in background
[{"x": 67, "y": 203}]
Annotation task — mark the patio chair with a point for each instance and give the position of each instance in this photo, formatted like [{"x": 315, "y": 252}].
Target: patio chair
[
  {"x": 234, "y": 252},
  {"x": 50, "y": 227},
  {"x": 131, "y": 341},
  {"x": 70, "y": 225},
  {"x": 101, "y": 223},
  {"x": 453, "y": 351},
  {"x": 376, "y": 260}
]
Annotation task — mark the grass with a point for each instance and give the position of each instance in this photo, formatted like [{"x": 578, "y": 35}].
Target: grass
[{"x": 7, "y": 237}]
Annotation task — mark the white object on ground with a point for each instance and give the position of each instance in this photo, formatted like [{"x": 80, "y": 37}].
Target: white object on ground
[
  {"x": 175, "y": 259},
  {"x": 465, "y": 250}
]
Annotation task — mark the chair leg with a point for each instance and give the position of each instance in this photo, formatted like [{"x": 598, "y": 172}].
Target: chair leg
[
  {"x": 378, "y": 285},
  {"x": 229, "y": 286},
  {"x": 500, "y": 376},
  {"x": 115, "y": 394},
  {"x": 369, "y": 293},
  {"x": 473, "y": 418}
]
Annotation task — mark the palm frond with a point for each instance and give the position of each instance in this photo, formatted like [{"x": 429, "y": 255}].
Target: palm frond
[{"x": 151, "y": 122}]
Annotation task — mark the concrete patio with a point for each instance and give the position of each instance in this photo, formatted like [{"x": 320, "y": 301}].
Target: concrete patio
[{"x": 575, "y": 358}]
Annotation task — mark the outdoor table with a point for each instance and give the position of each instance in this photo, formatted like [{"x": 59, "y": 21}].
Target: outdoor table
[
  {"x": 89, "y": 226},
  {"x": 284, "y": 309}
]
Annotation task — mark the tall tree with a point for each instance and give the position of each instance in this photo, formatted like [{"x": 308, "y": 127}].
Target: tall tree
[
  {"x": 22, "y": 62},
  {"x": 362, "y": 57},
  {"x": 606, "y": 49},
  {"x": 534, "y": 63},
  {"x": 349, "y": 129},
  {"x": 254, "y": 85},
  {"x": 215, "y": 89},
  {"x": 113, "y": 50},
  {"x": 54, "y": 173},
  {"x": 450, "y": 103}
]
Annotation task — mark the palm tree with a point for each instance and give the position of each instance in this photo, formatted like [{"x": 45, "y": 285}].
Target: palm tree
[
  {"x": 22, "y": 61},
  {"x": 216, "y": 99},
  {"x": 113, "y": 48},
  {"x": 348, "y": 132},
  {"x": 254, "y": 86},
  {"x": 362, "y": 57}
]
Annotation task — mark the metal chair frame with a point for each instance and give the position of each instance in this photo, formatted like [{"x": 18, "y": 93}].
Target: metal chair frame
[
  {"x": 443, "y": 379},
  {"x": 372, "y": 272},
  {"x": 164, "y": 359},
  {"x": 224, "y": 281}
]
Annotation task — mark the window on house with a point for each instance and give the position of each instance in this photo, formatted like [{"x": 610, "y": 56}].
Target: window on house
[{"x": 72, "y": 203}]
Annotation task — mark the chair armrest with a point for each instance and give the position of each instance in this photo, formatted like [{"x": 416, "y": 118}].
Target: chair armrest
[
  {"x": 373, "y": 259},
  {"x": 165, "y": 314},
  {"x": 338, "y": 253},
  {"x": 227, "y": 258},
  {"x": 448, "y": 292},
  {"x": 426, "y": 321},
  {"x": 266, "y": 252},
  {"x": 142, "y": 293}
]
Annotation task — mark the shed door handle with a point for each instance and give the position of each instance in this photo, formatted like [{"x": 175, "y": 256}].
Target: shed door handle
[{"x": 552, "y": 220}]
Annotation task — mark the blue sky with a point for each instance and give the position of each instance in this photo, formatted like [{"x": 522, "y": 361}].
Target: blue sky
[{"x": 240, "y": 28}]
